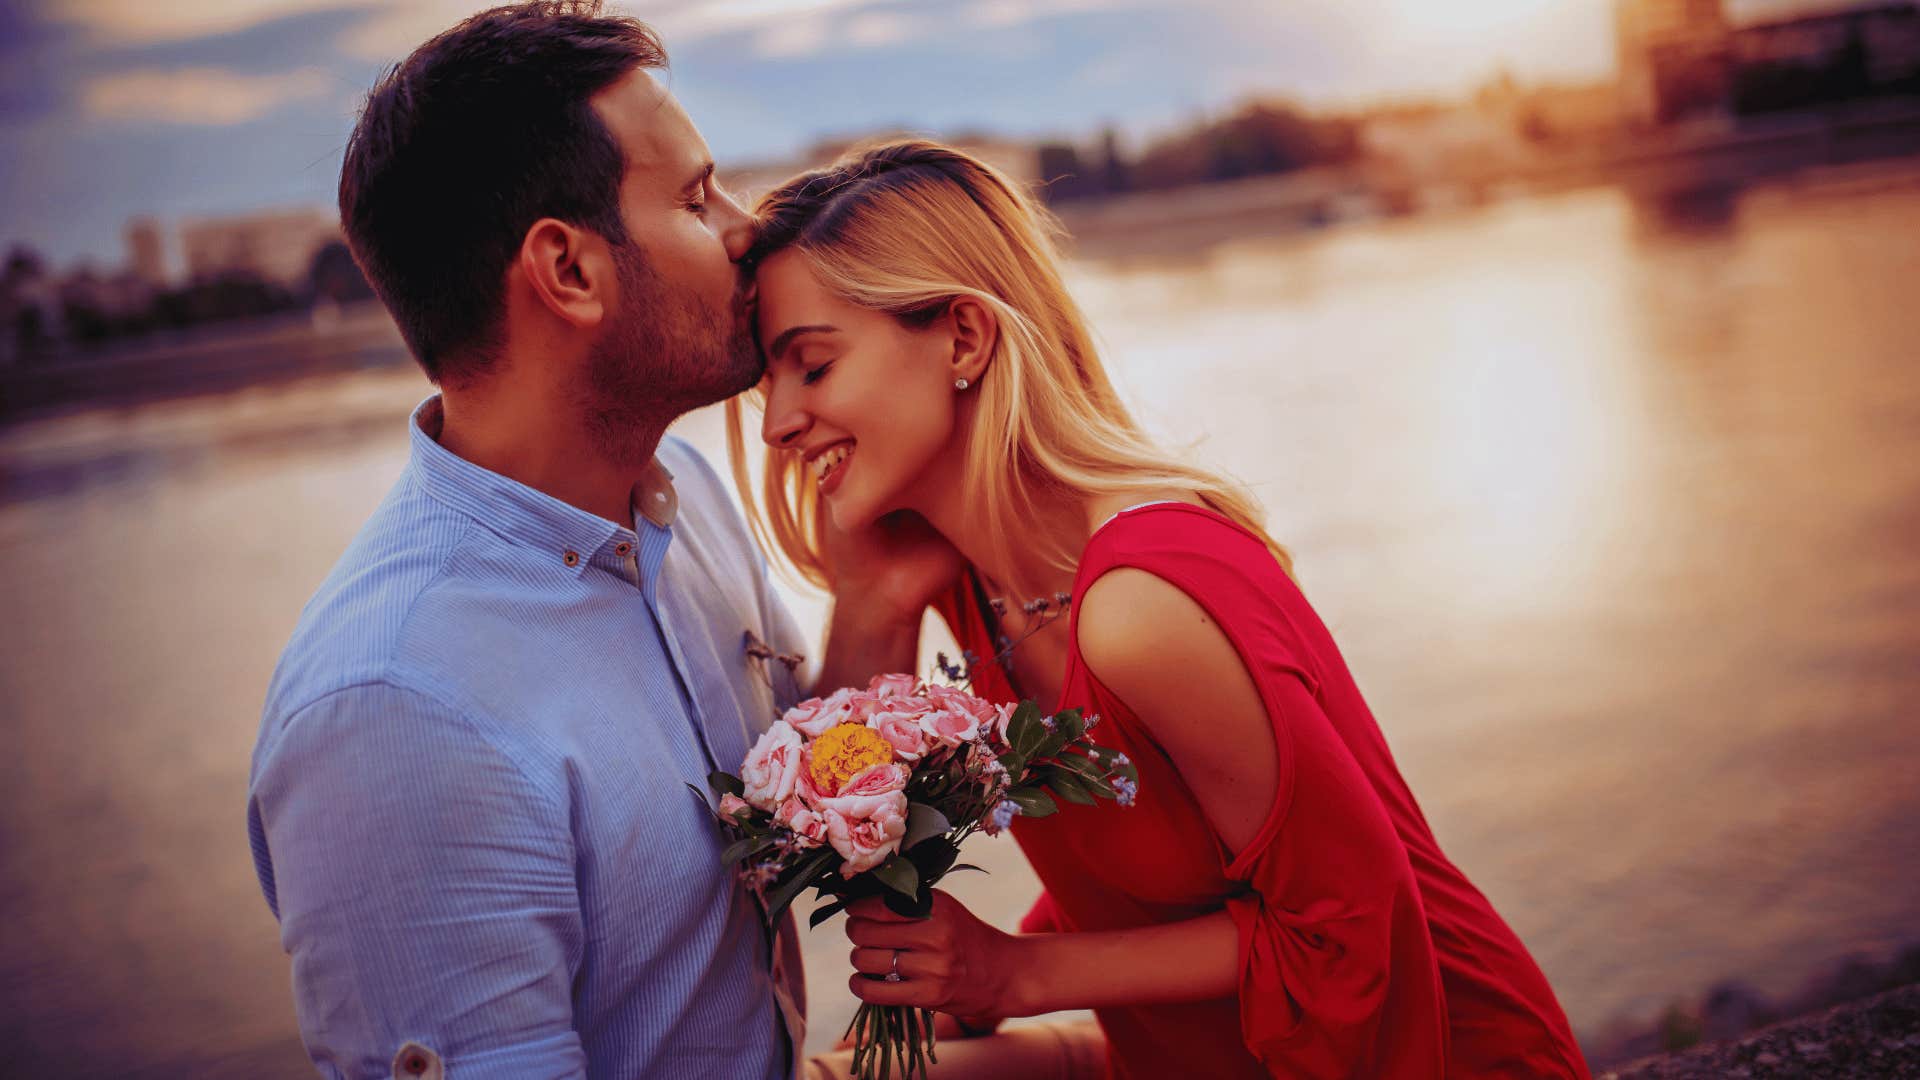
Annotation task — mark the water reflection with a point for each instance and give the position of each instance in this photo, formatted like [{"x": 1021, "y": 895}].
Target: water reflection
[{"x": 1620, "y": 530}]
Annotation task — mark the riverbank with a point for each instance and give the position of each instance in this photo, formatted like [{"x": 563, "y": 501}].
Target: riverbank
[
  {"x": 1859, "y": 1017},
  {"x": 1875, "y": 1039}
]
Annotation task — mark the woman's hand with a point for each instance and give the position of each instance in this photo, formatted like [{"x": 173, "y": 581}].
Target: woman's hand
[
  {"x": 950, "y": 961},
  {"x": 895, "y": 567}
]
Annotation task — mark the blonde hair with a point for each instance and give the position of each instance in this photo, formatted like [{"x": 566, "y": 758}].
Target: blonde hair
[{"x": 906, "y": 228}]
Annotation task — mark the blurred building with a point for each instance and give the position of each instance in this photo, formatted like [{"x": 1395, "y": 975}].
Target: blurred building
[
  {"x": 276, "y": 247},
  {"x": 750, "y": 180},
  {"x": 1855, "y": 51},
  {"x": 1675, "y": 59},
  {"x": 147, "y": 251}
]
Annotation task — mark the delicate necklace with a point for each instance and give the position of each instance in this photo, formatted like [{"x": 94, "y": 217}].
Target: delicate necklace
[{"x": 1044, "y": 610}]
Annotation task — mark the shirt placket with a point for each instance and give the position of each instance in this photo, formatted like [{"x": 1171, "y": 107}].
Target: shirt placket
[{"x": 644, "y": 571}]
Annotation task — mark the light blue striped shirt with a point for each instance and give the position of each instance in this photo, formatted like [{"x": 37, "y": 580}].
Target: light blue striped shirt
[{"x": 468, "y": 804}]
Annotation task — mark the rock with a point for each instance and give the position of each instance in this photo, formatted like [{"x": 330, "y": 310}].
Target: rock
[{"x": 1873, "y": 1039}]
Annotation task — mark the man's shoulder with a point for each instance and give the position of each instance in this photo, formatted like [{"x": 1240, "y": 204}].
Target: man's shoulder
[
  {"x": 351, "y": 631},
  {"x": 692, "y": 472},
  {"x": 707, "y": 507}
]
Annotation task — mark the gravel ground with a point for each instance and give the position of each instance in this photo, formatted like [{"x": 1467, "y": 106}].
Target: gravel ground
[{"x": 1878, "y": 1037}]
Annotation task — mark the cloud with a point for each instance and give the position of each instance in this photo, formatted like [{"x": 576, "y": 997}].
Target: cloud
[
  {"x": 202, "y": 96},
  {"x": 147, "y": 22},
  {"x": 780, "y": 27}
]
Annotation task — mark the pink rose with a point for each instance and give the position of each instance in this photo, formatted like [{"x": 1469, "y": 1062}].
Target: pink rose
[
  {"x": 865, "y": 829},
  {"x": 732, "y": 804},
  {"x": 950, "y": 728},
  {"x": 891, "y": 686},
  {"x": 808, "y": 825},
  {"x": 815, "y": 715},
  {"x": 980, "y": 711},
  {"x": 772, "y": 767},
  {"x": 903, "y": 732},
  {"x": 875, "y": 780}
]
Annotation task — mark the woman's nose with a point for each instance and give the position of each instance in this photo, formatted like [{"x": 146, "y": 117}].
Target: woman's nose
[{"x": 783, "y": 427}]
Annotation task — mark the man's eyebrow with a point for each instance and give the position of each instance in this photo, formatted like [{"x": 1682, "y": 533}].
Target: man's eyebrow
[{"x": 786, "y": 337}]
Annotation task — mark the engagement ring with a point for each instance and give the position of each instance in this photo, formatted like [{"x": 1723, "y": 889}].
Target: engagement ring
[{"x": 893, "y": 973}]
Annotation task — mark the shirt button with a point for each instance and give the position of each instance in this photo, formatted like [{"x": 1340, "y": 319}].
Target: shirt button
[
  {"x": 571, "y": 558},
  {"x": 622, "y": 548}
]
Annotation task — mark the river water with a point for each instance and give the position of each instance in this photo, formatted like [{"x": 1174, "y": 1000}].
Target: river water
[{"x": 1616, "y": 515}]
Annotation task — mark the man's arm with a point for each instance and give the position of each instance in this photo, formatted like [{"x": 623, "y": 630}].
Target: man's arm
[{"x": 425, "y": 889}]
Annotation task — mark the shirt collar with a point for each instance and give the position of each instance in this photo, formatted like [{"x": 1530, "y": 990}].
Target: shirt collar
[
  {"x": 525, "y": 515},
  {"x": 654, "y": 497}
]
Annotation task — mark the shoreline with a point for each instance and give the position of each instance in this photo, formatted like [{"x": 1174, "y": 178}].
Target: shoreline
[
  {"x": 1871, "y": 1039},
  {"x": 1848, "y": 1004}
]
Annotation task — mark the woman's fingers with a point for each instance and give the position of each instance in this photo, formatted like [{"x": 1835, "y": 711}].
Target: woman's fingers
[
  {"x": 889, "y": 935},
  {"x": 913, "y": 965}
]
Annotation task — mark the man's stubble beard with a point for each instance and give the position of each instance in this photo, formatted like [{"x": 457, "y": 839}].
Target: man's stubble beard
[{"x": 666, "y": 353}]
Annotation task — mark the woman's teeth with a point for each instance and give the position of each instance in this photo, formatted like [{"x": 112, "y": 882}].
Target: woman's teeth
[{"x": 825, "y": 463}]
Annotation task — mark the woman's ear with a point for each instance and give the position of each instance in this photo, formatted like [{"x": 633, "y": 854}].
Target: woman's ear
[
  {"x": 975, "y": 331},
  {"x": 569, "y": 270}
]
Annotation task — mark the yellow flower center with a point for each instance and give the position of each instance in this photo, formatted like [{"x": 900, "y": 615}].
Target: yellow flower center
[{"x": 841, "y": 752}]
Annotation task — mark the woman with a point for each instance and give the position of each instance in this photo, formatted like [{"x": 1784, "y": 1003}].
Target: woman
[{"x": 1274, "y": 904}]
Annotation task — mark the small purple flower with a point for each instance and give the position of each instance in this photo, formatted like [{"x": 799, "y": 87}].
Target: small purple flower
[
  {"x": 1093, "y": 721},
  {"x": 1126, "y": 790},
  {"x": 1001, "y": 816}
]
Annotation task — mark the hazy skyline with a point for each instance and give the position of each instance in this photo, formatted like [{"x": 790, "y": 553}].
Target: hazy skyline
[{"x": 111, "y": 109}]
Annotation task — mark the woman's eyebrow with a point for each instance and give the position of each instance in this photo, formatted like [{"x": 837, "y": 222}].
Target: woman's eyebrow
[{"x": 786, "y": 337}]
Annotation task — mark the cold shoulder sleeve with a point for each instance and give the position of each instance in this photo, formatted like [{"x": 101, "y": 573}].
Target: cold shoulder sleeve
[{"x": 1337, "y": 976}]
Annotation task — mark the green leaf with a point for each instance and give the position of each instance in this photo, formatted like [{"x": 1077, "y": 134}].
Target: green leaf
[
  {"x": 923, "y": 821},
  {"x": 1068, "y": 786},
  {"x": 1090, "y": 773},
  {"x": 899, "y": 875},
  {"x": 804, "y": 874},
  {"x": 704, "y": 804},
  {"x": 1032, "y": 802},
  {"x": 1072, "y": 722},
  {"x": 933, "y": 858},
  {"x": 957, "y": 867},
  {"x": 822, "y": 914},
  {"x": 1024, "y": 730},
  {"x": 745, "y": 848}
]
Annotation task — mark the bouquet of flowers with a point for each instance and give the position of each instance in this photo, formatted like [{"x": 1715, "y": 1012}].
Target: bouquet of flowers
[{"x": 871, "y": 793}]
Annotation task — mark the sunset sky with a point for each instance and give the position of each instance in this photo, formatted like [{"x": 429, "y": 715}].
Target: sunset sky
[{"x": 116, "y": 108}]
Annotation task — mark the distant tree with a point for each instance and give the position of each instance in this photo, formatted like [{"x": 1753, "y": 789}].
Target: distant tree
[
  {"x": 1113, "y": 167},
  {"x": 1063, "y": 177},
  {"x": 1258, "y": 139},
  {"x": 335, "y": 276}
]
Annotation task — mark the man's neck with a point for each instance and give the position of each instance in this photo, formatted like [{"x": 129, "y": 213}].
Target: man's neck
[{"x": 543, "y": 445}]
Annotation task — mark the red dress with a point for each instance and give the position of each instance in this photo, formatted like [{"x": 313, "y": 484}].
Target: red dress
[{"x": 1363, "y": 951}]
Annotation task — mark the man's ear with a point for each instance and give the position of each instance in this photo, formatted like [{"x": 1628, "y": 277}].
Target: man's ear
[
  {"x": 976, "y": 329},
  {"x": 569, "y": 269}
]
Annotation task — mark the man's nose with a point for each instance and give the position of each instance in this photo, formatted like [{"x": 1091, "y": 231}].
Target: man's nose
[{"x": 737, "y": 227}]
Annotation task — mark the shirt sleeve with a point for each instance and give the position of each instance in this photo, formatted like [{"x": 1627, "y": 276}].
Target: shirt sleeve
[{"x": 425, "y": 890}]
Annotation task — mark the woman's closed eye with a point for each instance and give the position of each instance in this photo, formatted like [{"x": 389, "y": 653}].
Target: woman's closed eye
[{"x": 814, "y": 375}]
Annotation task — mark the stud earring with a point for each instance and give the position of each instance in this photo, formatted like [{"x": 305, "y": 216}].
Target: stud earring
[{"x": 959, "y": 384}]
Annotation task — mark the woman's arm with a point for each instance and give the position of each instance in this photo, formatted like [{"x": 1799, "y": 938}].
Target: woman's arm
[
  {"x": 884, "y": 577},
  {"x": 1157, "y": 649}
]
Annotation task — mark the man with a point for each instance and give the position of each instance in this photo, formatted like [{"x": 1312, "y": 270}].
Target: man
[{"x": 468, "y": 804}]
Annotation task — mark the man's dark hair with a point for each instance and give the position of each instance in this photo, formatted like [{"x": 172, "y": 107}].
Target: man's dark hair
[{"x": 481, "y": 132}]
